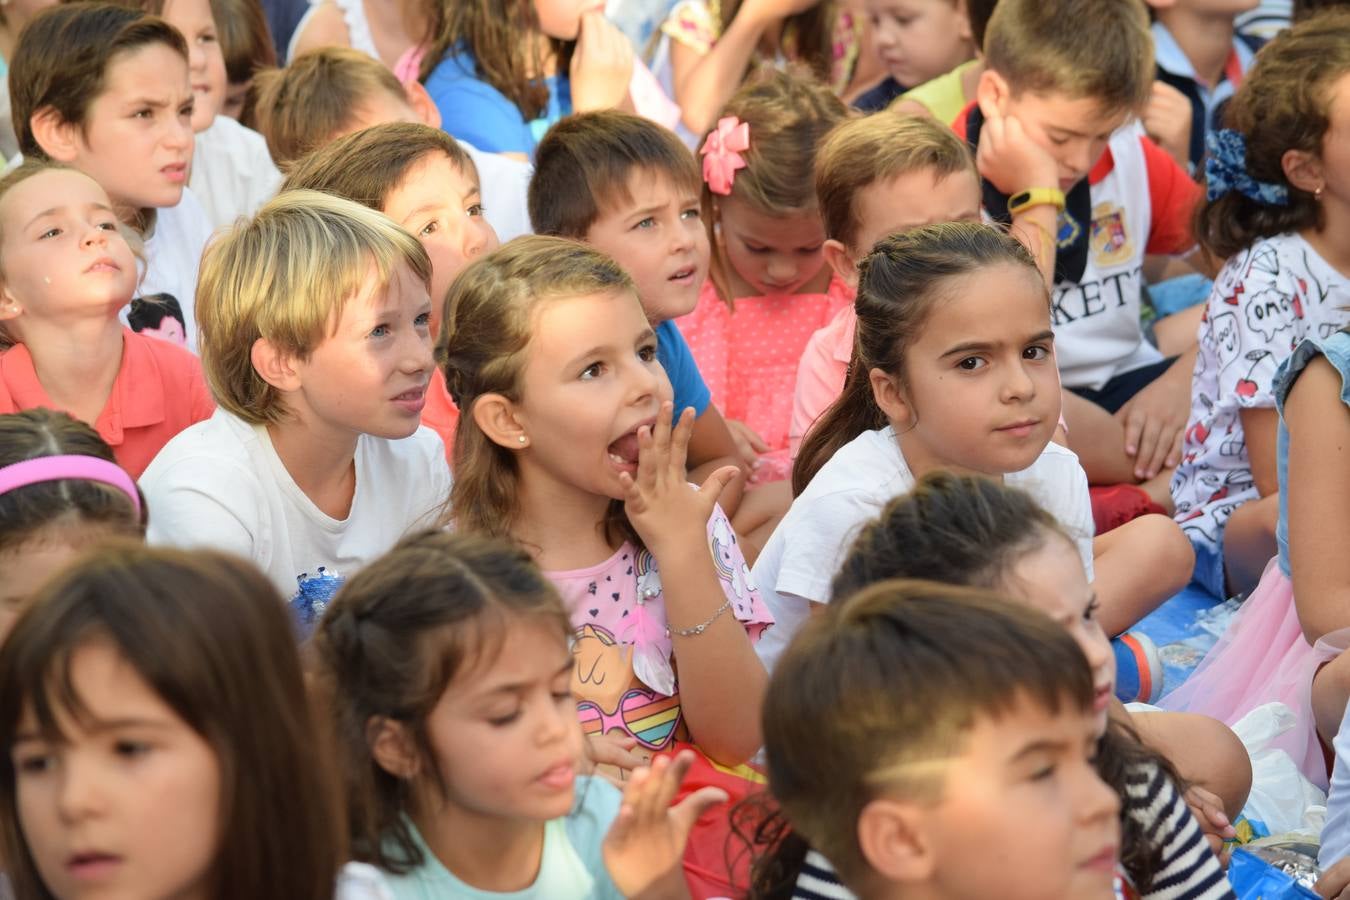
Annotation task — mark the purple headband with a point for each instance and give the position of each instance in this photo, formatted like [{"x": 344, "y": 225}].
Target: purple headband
[{"x": 57, "y": 468}]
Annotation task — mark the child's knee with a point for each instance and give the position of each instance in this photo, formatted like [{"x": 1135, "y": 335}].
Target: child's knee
[
  {"x": 1228, "y": 765},
  {"x": 1157, "y": 542}
]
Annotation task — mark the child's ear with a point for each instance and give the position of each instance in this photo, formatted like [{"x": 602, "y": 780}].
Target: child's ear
[
  {"x": 59, "y": 139},
  {"x": 422, "y": 104},
  {"x": 392, "y": 748},
  {"x": 894, "y": 842},
  {"x": 1304, "y": 170},
  {"x": 841, "y": 261},
  {"x": 890, "y": 398},
  {"x": 992, "y": 92},
  {"x": 496, "y": 416},
  {"x": 274, "y": 366}
]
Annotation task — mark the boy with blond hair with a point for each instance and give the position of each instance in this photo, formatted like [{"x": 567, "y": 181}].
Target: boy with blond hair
[
  {"x": 315, "y": 341},
  {"x": 1075, "y": 93}
]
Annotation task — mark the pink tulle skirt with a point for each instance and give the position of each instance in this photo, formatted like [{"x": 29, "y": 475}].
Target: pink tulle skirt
[{"x": 1263, "y": 657}]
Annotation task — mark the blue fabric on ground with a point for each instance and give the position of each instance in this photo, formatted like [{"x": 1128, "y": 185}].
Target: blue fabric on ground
[{"x": 1177, "y": 628}]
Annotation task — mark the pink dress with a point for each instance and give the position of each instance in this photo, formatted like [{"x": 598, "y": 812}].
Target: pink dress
[{"x": 749, "y": 359}]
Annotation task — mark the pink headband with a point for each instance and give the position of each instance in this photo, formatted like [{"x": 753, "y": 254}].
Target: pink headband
[
  {"x": 57, "y": 468},
  {"x": 722, "y": 153}
]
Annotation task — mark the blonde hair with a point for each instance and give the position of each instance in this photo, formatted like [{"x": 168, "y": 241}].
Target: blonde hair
[
  {"x": 284, "y": 276},
  {"x": 1100, "y": 50},
  {"x": 489, "y": 317},
  {"x": 861, "y": 152},
  {"x": 301, "y": 107},
  {"x": 789, "y": 114}
]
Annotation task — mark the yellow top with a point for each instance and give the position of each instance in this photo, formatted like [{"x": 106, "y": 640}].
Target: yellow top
[{"x": 943, "y": 95}]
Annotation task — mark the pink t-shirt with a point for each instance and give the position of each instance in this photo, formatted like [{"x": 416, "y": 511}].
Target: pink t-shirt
[
  {"x": 625, "y": 675},
  {"x": 821, "y": 373},
  {"x": 749, "y": 358}
]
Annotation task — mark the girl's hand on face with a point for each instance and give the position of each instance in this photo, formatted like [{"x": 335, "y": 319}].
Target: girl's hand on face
[
  {"x": 602, "y": 65},
  {"x": 663, "y": 507},
  {"x": 646, "y": 842},
  {"x": 614, "y": 751},
  {"x": 1009, "y": 159},
  {"x": 749, "y": 445}
]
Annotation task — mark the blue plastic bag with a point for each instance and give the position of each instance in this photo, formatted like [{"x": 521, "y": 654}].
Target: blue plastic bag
[{"x": 1255, "y": 879}]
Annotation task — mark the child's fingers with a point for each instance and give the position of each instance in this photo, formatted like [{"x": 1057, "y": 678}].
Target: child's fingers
[
  {"x": 717, "y": 482},
  {"x": 661, "y": 432},
  {"x": 647, "y": 805},
  {"x": 679, "y": 441},
  {"x": 674, "y": 777},
  {"x": 688, "y": 810}
]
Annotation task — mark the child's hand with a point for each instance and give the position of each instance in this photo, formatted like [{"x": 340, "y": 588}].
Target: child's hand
[
  {"x": 1335, "y": 882},
  {"x": 646, "y": 842},
  {"x": 749, "y": 445},
  {"x": 1155, "y": 423},
  {"x": 663, "y": 507},
  {"x": 1214, "y": 824},
  {"x": 1167, "y": 119},
  {"x": 1009, "y": 159},
  {"x": 612, "y": 751},
  {"x": 602, "y": 65}
]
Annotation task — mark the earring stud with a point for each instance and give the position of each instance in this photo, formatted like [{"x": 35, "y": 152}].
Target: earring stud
[{"x": 521, "y": 438}]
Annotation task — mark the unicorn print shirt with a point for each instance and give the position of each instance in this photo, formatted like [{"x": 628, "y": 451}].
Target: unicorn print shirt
[
  {"x": 625, "y": 676},
  {"x": 1267, "y": 299}
]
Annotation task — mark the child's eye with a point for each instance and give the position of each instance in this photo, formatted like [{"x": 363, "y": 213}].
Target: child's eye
[
  {"x": 49, "y": 233},
  {"x": 1058, "y": 141},
  {"x": 475, "y": 210},
  {"x": 1044, "y": 773},
  {"x": 185, "y": 111},
  {"x": 808, "y": 251},
  {"x": 33, "y": 763},
  {"x": 379, "y": 331},
  {"x": 648, "y": 222},
  {"x": 592, "y": 371},
  {"x": 692, "y": 213},
  {"x": 758, "y": 251},
  {"x": 647, "y": 353},
  {"x": 131, "y": 748},
  {"x": 503, "y": 721},
  {"x": 423, "y": 320},
  {"x": 1036, "y": 354},
  {"x": 1090, "y": 612},
  {"x": 428, "y": 229},
  {"x": 108, "y": 226},
  {"x": 142, "y": 114},
  {"x": 971, "y": 364}
]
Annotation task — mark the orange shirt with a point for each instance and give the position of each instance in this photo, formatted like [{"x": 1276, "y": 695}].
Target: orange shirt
[
  {"x": 159, "y": 391},
  {"x": 441, "y": 414}
]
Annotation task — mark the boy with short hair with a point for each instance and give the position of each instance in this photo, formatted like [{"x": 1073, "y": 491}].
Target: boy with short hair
[
  {"x": 314, "y": 340},
  {"x": 1073, "y": 92},
  {"x": 335, "y": 91},
  {"x": 421, "y": 178},
  {"x": 630, "y": 188}
]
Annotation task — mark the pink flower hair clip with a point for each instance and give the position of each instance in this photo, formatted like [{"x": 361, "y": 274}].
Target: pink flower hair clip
[{"x": 722, "y": 154}]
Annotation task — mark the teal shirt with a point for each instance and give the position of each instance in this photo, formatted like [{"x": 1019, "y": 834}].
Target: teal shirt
[{"x": 571, "y": 867}]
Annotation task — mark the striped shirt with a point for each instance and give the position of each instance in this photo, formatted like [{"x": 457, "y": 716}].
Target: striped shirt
[{"x": 1189, "y": 870}]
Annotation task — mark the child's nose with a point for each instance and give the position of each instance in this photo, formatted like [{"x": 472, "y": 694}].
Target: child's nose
[
  {"x": 77, "y": 792},
  {"x": 1097, "y": 799},
  {"x": 781, "y": 269}
]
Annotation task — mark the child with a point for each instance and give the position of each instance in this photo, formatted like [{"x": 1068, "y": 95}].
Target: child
[
  {"x": 232, "y": 173},
  {"x": 66, "y": 272},
  {"x": 461, "y": 759},
  {"x": 60, "y": 490},
  {"x": 567, "y": 446},
  {"x": 954, "y": 369},
  {"x": 74, "y": 73},
  {"x": 629, "y": 188},
  {"x": 152, "y": 714},
  {"x": 1271, "y": 214},
  {"x": 159, "y": 316},
  {"x": 770, "y": 288},
  {"x": 502, "y": 72},
  {"x": 917, "y": 40},
  {"x": 876, "y": 176},
  {"x": 246, "y": 44},
  {"x": 382, "y": 31},
  {"x": 423, "y": 180},
  {"x": 1200, "y": 54},
  {"x": 911, "y": 803},
  {"x": 314, "y": 338},
  {"x": 1070, "y": 89},
  {"x": 336, "y": 91},
  {"x": 969, "y": 530},
  {"x": 944, "y": 96}
]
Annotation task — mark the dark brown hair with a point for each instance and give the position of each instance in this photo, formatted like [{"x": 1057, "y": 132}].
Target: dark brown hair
[
  {"x": 584, "y": 163},
  {"x": 210, "y": 636},
  {"x": 49, "y": 507},
  {"x": 978, "y": 13},
  {"x": 789, "y": 114},
  {"x": 1083, "y": 49},
  {"x": 245, "y": 38},
  {"x": 393, "y": 639},
  {"x": 1283, "y": 104},
  {"x": 301, "y": 107},
  {"x": 368, "y": 165},
  {"x": 500, "y": 35},
  {"x": 63, "y": 56},
  {"x": 837, "y": 731},
  {"x": 898, "y": 284}
]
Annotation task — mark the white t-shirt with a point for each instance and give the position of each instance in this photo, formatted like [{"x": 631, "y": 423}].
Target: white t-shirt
[
  {"x": 221, "y": 484},
  {"x": 359, "y": 881},
  {"x": 173, "y": 253},
  {"x": 804, "y": 553},
  {"x": 232, "y": 172},
  {"x": 505, "y": 184}
]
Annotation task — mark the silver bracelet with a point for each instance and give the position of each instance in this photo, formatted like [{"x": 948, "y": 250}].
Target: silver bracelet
[{"x": 702, "y": 626}]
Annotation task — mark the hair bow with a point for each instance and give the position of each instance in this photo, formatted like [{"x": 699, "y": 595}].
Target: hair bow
[
  {"x": 1226, "y": 170},
  {"x": 722, "y": 154}
]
